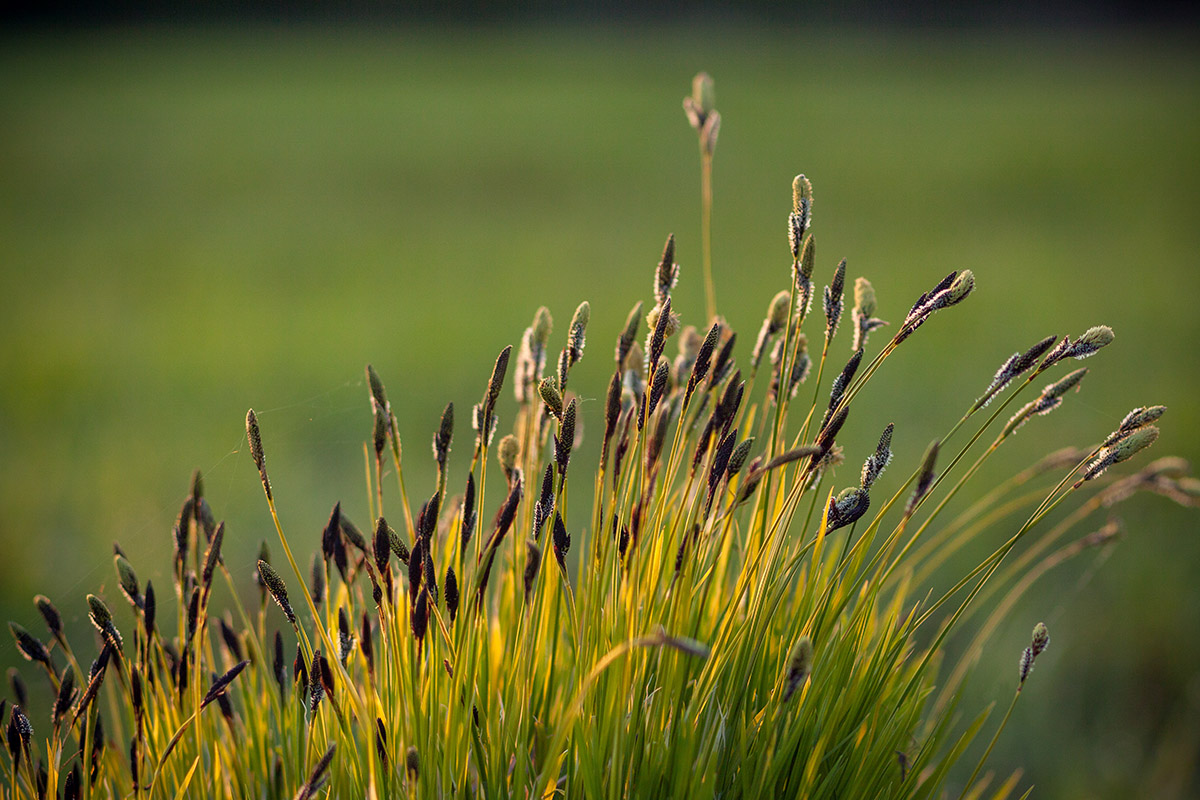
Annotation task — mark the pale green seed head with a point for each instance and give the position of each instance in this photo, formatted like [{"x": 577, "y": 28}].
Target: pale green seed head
[
  {"x": 961, "y": 287},
  {"x": 802, "y": 195},
  {"x": 507, "y": 452},
  {"x": 1068, "y": 382},
  {"x": 808, "y": 257},
  {"x": 864, "y": 297},
  {"x": 703, "y": 92},
  {"x": 543, "y": 323},
  {"x": 1134, "y": 443},
  {"x": 777, "y": 312},
  {"x": 1094, "y": 338},
  {"x": 548, "y": 389},
  {"x": 1041, "y": 638}
]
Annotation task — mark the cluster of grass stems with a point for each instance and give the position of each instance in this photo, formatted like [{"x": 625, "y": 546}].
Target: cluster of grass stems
[{"x": 723, "y": 619}]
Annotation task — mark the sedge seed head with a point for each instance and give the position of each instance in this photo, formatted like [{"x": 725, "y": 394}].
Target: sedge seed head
[{"x": 275, "y": 586}]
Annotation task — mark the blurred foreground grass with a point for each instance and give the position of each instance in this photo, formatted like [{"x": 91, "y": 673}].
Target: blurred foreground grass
[{"x": 192, "y": 223}]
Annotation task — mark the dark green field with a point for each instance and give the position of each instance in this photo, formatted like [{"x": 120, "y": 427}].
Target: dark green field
[{"x": 193, "y": 223}]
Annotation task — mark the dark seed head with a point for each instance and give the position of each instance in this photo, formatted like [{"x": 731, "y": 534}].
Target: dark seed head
[
  {"x": 50, "y": 615},
  {"x": 233, "y": 644},
  {"x": 20, "y": 693},
  {"x": 316, "y": 687},
  {"x": 256, "y": 450},
  {"x": 213, "y": 556},
  {"x": 30, "y": 646},
  {"x": 275, "y": 586},
  {"x": 565, "y": 440},
  {"x": 149, "y": 607},
  {"x": 66, "y": 696},
  {"x": 533, "y": 560},
  {"x": 420, "y": 616},
  {"x": 628, "y": 335},
  {"x": 445, "y": 433},
  {"x": 317, "y": 780},
  {"x": 562, "y": 540},
  {"x": 468, "y": 511},
  {"x": 102, "y": 619},
  {"x": 353, "y": 535},
  {"x": 365, "y": 642},
  {"x": 451, "y": 593},
  {"x": 317, "y": 579},
  {"x": 330, "y": 534},
  {"x": 222, "y": 683},
  {"x": 381, "y": 741},
  {"x": 382, "y": 545},
  {"x": 127, "y": 579}
]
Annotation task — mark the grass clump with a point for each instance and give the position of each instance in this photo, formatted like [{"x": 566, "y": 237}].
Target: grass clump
[{"x": 720, "y": 617}]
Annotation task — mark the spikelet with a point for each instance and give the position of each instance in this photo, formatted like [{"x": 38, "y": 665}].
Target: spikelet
[
  {"x": 863, "y": 313},
  {"x": 924, "y": 479},
  {"x": 29, "y": 645},
  {"x": 254, "y": 437},
  {"x": 1041, "y": 638},
  {"x": 275, "y": 586},
  {"x": 533, "y": 560},
  {"x": 1121, "y": 450},
  {"x": 800, "y": 219},
  {"x": 834, "y": 301},
  {"x": 875, "y": 464},
  {"x": 1137, "y": 418},
  {"x": 319, "y": 776},
  {"x": 102, "y": 619},
  {"x": 577, "y": 332}
]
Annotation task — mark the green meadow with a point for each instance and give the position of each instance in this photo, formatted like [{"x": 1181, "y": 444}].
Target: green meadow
[{"x": 196, "y": 222}]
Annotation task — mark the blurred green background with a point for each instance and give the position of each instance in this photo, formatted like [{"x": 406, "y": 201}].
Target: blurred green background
[{"x": 193, "y": 222}]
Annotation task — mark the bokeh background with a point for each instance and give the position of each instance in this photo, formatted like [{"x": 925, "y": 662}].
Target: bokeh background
[{"x": 200, "y": 218}]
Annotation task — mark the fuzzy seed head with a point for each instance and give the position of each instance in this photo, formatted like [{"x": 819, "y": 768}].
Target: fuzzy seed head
[
  {"x": 578, "y": 330},
  {"x": 864, "y": 297},
  {"x": 29, "y": 645},
  {"x": 1068, "y": 382},
  {"x": 508, "y": 452},
  {"x": 1134, "y": 443},
  {"x": 548, "y": 389},
  {"x": 128, "y": 580},
  {"x": 102, "y": 619},
  {"x": 1092, "y": 340},
  {"x": 275, "y": 586},
  {"x": 737, "y": 458},
  {"x": 543, "y": 324},
  {"x": 50, "y": 614},
  {"x": 1141, "y": 416},
  {"x": 445, "y": 433},
  {"x": 562, "y": 540},
  {"x": 1041, "y": 638},
  {"x": 628, "y": 334},
  {"x": 667, "y": 274},
  {"x": 255, "y": 438},
  {"x": 962, "y": 286}
]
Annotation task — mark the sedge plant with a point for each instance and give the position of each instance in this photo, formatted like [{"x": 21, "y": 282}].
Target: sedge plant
[{"x": 713, "y": 609}]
